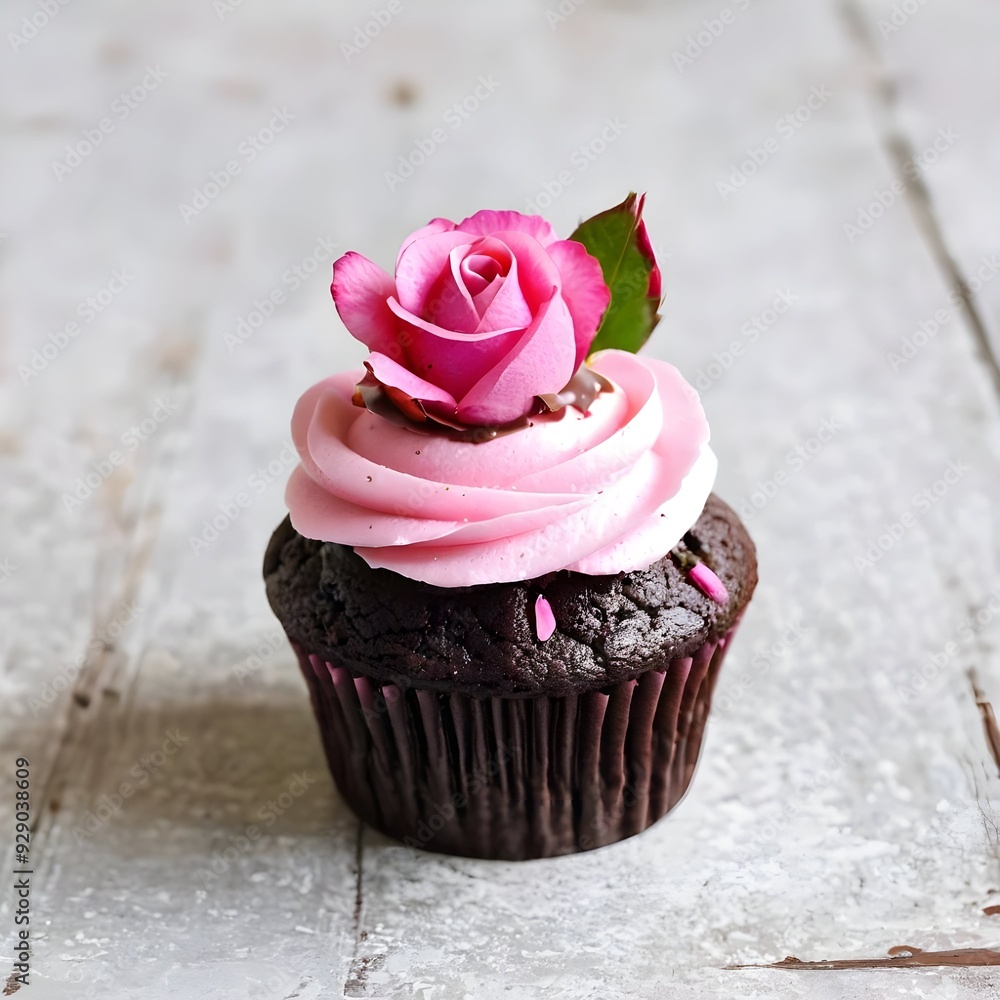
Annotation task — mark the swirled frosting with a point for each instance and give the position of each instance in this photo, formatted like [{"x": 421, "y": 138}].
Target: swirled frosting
[{"x": 602, "y": 492}]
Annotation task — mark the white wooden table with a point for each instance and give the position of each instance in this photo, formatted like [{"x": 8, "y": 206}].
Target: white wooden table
[{"x": 847, "y": 802}]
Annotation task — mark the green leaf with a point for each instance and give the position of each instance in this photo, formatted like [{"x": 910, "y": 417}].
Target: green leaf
[{"x": 617, "y": 238}]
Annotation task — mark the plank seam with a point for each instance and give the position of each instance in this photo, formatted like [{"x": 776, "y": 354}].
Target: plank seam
[{"x": 901, "y": 151}]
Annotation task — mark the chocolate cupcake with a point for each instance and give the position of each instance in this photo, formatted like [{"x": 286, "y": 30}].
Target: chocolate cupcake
[{"x": 504, "y": 574}]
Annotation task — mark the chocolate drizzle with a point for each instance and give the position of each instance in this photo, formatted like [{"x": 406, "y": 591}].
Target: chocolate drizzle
[
  {"x": 403, "y": 410},
  {"x": 580, "y": 391}
]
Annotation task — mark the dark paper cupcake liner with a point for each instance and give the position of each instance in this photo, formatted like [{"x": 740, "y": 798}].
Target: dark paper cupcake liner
[{"x": 508, "y": 777}]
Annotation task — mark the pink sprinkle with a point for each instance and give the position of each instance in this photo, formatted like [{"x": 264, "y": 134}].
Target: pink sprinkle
[
  {"x": 708, "y": 583},
  {"x": 545, "y": 621}
]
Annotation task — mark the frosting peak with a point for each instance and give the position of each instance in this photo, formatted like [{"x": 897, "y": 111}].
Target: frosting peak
[{"x": 601, "y": 492}]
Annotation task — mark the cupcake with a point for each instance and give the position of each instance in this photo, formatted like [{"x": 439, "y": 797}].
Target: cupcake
[{"x": 504, "y": 573}]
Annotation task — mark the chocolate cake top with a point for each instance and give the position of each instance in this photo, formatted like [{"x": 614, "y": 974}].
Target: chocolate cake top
[{"x": 483, "y": 640}]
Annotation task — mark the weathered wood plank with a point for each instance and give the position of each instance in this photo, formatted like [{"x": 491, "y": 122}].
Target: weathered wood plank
[
  {"x": 847, "y": 798},
  {"x": 827, "y": 806},
  {"x": 941, "y": 112}
]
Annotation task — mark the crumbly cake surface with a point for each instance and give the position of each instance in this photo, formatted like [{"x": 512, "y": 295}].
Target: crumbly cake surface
[{"x": 482, "y": 640}]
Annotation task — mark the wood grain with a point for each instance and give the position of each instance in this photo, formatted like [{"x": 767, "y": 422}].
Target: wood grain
[{"x": 847, "y": 799}]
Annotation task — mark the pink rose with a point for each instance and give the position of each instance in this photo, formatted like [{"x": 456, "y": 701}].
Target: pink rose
[{"x": 480, "y": 318}]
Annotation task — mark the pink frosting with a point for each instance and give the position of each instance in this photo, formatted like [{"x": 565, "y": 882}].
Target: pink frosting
[{"x": 604, "y": 492}]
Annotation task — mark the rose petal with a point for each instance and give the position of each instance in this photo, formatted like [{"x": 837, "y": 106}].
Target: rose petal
[
  {"x": 453, "y": 360},
  {"x": 506, "y": 309},
  {"x": 537, "y": 273},
  {"x": 482, "y": 300},
  {"x": 480, "y": 271},
  {"x": 488, "y": 223},
  {"x": 456, "y": 337},
  {"x": 434, "y": 226},
  {"x": 421, "y": 265},
  {"x": 584, "y": 290},
  {"x": 449, "y": 303},
  {"x": 541, "y": 361},
  {"x": 389, "y": 373},
  {"x": 360, "y": 289}
]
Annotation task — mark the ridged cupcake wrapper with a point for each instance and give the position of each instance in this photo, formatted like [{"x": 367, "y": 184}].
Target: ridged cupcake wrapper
[{"x": 514, "y": 778}]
